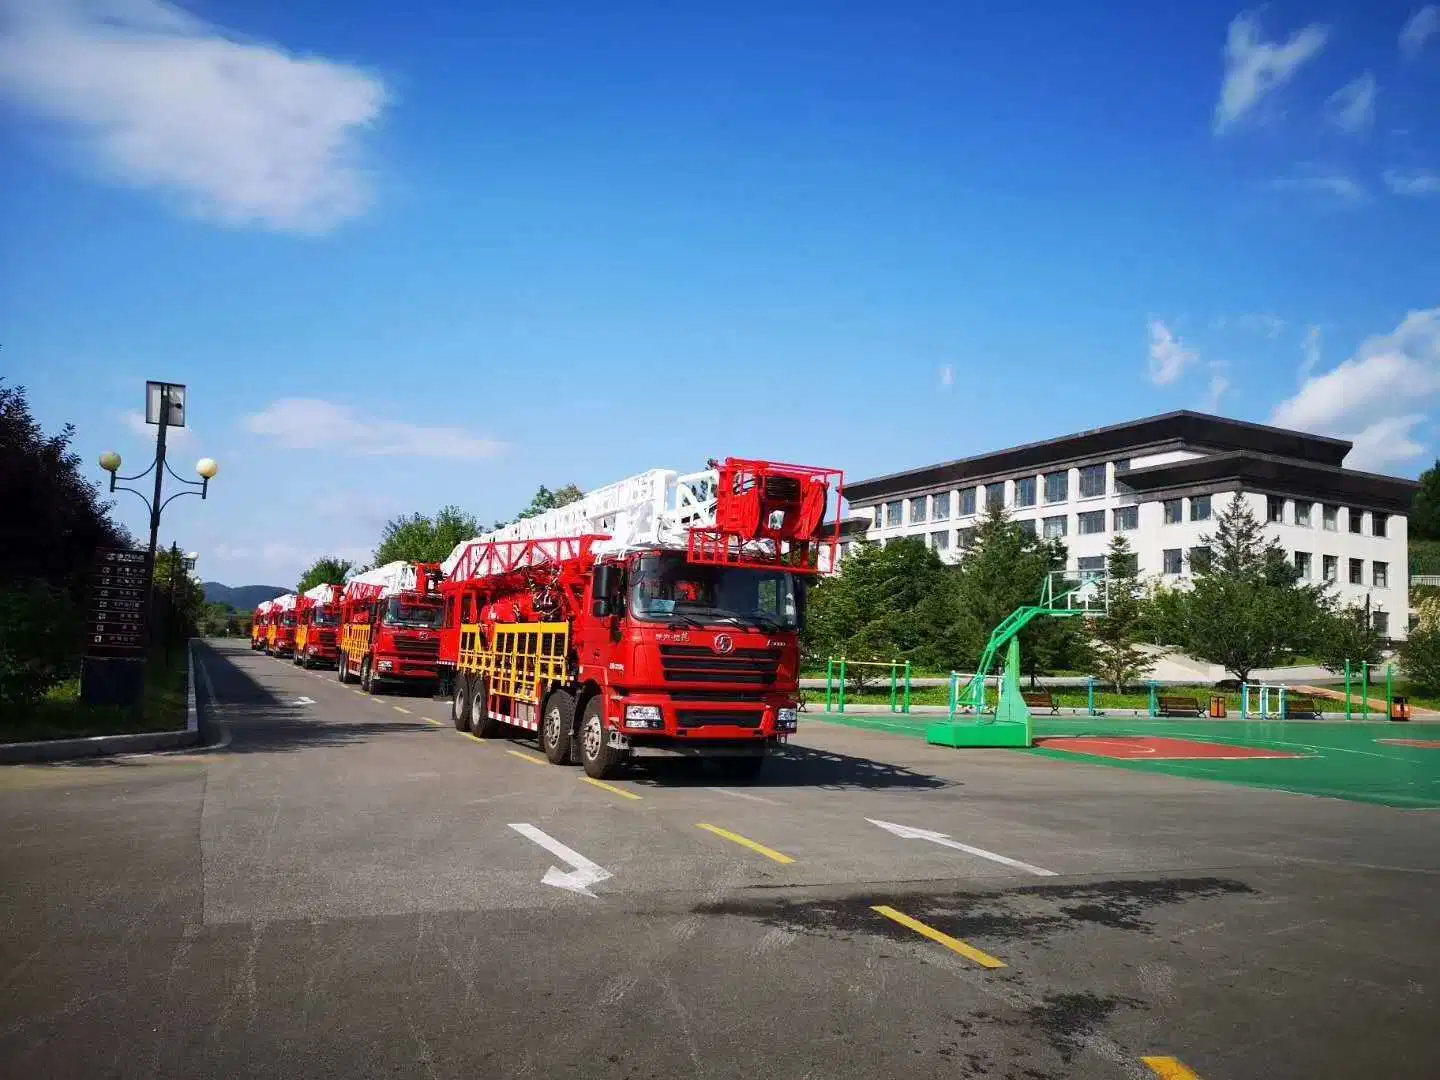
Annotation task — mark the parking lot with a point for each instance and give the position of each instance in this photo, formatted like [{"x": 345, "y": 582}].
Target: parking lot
[{"x": 347, "y": 886}]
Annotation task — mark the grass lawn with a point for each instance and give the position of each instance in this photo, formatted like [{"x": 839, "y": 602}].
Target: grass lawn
[{"x": 61, "y": 714}]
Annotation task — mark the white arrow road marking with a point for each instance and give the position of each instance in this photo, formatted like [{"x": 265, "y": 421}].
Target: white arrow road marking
[
  {"x": 907, "y": 832},
  {"x": 304, "y": 701},
  {"x": 579, "y": 879}
]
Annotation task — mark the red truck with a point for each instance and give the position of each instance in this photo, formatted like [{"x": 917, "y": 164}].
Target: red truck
[
  {"x": 317, "y": 627},
  {"x": 659, "y": 615},
  {"x": 280, "y": 637},
  {"x": 390, "y": 628},
  {"x": 260, "y": 627}
]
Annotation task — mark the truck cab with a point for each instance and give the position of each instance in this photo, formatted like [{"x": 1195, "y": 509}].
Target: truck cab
[
  {"x": 391, "y": 639},
  {"x": 317, "y": 633}
]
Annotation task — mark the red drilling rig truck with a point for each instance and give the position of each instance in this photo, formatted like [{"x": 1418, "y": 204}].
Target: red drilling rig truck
[
  {"x": 280, "y": 637},
  {"x": 317, "y": 627},
  {"x": 390, "y": 627},
  {"x": 659, "y": 615},
  {"x": 260, "y": 627}
]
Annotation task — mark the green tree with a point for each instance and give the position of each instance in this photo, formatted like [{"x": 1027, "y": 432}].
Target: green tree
[
  {"x": 328, "y": 570},
  {"x": 1420, "y": 658},
  {"x": 1247, "y": 609},
  {"x": 215, "y": 619},
  {"x": 1425, "y": 510},
  {"x": 39, "y": 641},
  {"x": 1115, "y": 637},
  {"x": 1006, "y": 569},
  {"x": 419, "y": 538},
  {"x": 544, "y": 500},
  {"x": 1345, "y": 635}
]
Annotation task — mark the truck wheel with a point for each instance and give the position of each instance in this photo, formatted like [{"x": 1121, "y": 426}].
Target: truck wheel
[
  {"x": 367, "y": 679},
  {"x": 460, "y": 703},
  {"x": 557, "y": 726},
  {"x": 741, "y": 769},
  {"x": 342, "y": 668},
  {"x": 482, "y": 723},
  {"x": 600, "y": 759}
]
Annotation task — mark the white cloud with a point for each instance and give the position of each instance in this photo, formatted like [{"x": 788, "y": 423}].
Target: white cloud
[
  {"x": 307, "y": 423},
  {"x": 947, "y": 376},
  {"x": 1311, "y": 345},
  {"x": 242, "y": 132},
  {"x": 1352, "y": 107},
  {"x": 1423, "y": 25},
  {"x": 1333, "y": 185},
  {"x": 1168, "y": 356},
  {"x": 1219, "y": 384},
  {"x": 1413, "y": 181},
  {"x": 1371, "y": 398},
  {"x": 1254, "y": 68}
]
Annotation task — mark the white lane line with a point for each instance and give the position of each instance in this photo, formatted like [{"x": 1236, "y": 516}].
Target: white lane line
[
  {"x": 584, "y": 873},
  {"x": 742, "y": 795},
  {"x": 907, "y": 832}
]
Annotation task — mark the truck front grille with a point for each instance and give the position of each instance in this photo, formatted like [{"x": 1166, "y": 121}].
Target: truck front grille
[
  {"x": 420, "y": 650},
  {"x": 693, "y": 718},
  {"x": 698, "y": 664}
]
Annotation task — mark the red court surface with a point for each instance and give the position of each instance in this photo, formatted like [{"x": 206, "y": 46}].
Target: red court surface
[
  {"x": 1423, "y": 744},
  {"x": 1158, "y": 748}
]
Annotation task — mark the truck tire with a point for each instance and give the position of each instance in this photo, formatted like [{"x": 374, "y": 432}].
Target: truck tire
[
  {"x": 482, "y": 724},
  {"x": 367, "y": 677},
  {"x": 557, "y": 726},
  {"x": 601, "y": 760},
  {"x": 460, "y": 703},
  {"x": 342, "y": 669}
]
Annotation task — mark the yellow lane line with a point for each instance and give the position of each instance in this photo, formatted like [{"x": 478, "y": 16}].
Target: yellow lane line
[
  {"x": 984, "y": 959},
  {"x": 427, "y": 719},
  {"x": 475, "y": 738},
  {"x": 354, "y": 691},
  {"x": 769, "y": 853},
  {"x": 1169, "y": 1068},
  {"x": 523, "y": 757},
  {"x": 397, "y": 708},
  {"x": 610, "y": 787}
]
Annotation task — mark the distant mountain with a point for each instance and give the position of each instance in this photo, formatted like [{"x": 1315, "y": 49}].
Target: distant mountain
[{"x": 241, "y": 597}]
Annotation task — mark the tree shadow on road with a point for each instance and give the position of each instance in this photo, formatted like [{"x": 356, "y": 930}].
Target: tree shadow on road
[{"x": 793, "y": 766}]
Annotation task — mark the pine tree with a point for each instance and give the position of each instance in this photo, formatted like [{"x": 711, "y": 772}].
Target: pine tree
[
  {"x": 1114, "y": 638},
  {"x": 1425, "y": 512}
]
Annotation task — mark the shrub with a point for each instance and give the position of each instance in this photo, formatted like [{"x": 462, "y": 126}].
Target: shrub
[
  {"x": 1420, "y": 658},
  {"x": 39, "y": 632}
]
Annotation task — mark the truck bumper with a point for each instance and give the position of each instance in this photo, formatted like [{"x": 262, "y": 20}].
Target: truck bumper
[
  {"x": 405, "y": 671},
  {"x": 666, "y": 747}
]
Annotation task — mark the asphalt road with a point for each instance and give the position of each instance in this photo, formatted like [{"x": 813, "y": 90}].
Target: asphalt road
[{"x": 341, "y": 891}]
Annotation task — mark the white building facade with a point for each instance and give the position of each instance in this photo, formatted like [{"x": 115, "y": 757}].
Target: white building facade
[{"x": 1161, "y": 482}]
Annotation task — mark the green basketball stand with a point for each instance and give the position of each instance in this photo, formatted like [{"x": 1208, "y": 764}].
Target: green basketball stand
[{"x": 1011, "y": 725}]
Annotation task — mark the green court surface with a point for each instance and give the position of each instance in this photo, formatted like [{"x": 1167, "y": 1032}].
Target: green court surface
[{"x": 1333, "y": 759}]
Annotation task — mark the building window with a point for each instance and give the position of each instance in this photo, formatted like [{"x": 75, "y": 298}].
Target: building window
[
  {"x": 1122, "y": 465},
  {"x": 1025, "y": 491},
  {"x": 1200, "y": 508},
  {"x": 1380, "y": 575},
  {"x": 1091, "y": 522},
  {"x": 1054, "y": 526},
  {"x": 942, "y": 506},
  {"x": 1302, "y": 512},
  {"x": 893, "y": 511},
  {"x": 1379, "y": 525},
  {"x": 995, "y": 495},
  {"x": 1357, "y": 521},
  {"x": 1127, "y": 518},
  {"x": 1380, "y": 621},
  {"x": 1330, "y": 517},
  {"x": 917, "y": 510},
  {"x": 1302, "y": 564},
  {"x": 880, "y": 517},
  {"x": 1357, "y": 571},
  {"x": 1057, "y": 486},
  {"x": 940, "y": 541},
  {"x": 1274, "y": 508},
  {"x": 1200, "y": 560},
  {"x": 1331, "y": 566},
  {"x": 965, "y": 539},
  {"x": 1173, "y": 560},
  {"x": 1092, "y": 481},
  {"x": 1027, "y": 526},
  {"x": 1090, "y": 564},
  {"x": 967, "y": 502},
  {"x": 1174, "y": 511}
]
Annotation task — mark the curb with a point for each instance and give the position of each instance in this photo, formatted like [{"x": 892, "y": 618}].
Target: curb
[{"x": 100, "y": 745}]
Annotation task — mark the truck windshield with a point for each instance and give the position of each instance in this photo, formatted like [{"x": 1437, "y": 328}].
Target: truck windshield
[
  {"x": 665, "y": 587},
  {"x": 287, "y": 620},
  {"x": 419, "y": 616},
  {"x": 325, "y": 617}
]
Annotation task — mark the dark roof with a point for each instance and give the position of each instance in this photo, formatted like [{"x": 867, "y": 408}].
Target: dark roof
[
  {"x": 1262, "y": 471},
  {"x": 1184, "y": 427}
]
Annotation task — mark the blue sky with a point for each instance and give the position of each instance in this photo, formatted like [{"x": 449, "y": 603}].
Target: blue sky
[{"x": 445, "y": 252}]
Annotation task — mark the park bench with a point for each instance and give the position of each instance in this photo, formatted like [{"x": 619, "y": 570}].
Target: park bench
[
  {"x": 1178, "y": 706},
  {"x": 1040, "y": 699},
  {"x": 1301, "y": 705}
]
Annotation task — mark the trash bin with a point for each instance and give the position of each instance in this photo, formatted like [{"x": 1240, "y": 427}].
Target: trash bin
[
  {"x": 1217, "y": 706},
  {"x": 1399, "y": 709}
]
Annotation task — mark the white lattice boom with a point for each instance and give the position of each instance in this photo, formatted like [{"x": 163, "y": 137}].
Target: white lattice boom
[
  {"x": 393, "y": 577},
  {"x": 284, "y": 603},
  {"x": 324, "y": 594},
  {"x": 654, "y": 509}
]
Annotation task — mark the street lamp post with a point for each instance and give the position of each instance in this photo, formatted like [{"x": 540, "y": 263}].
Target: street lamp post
[{"x": 164, "y": 407}]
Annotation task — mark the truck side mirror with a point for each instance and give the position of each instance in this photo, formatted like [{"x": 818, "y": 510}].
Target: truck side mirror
[{"x": 606, "y": 586}]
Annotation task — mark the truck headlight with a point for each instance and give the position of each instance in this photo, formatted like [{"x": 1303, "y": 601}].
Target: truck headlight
[
  {"x": 386, "y": 665},
  {"x": 785, "y": 719},
  {"x": 644, "y": 716}
]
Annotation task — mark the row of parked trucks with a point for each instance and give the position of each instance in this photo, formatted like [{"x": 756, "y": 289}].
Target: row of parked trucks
[{"x": 659, "y": 615}]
